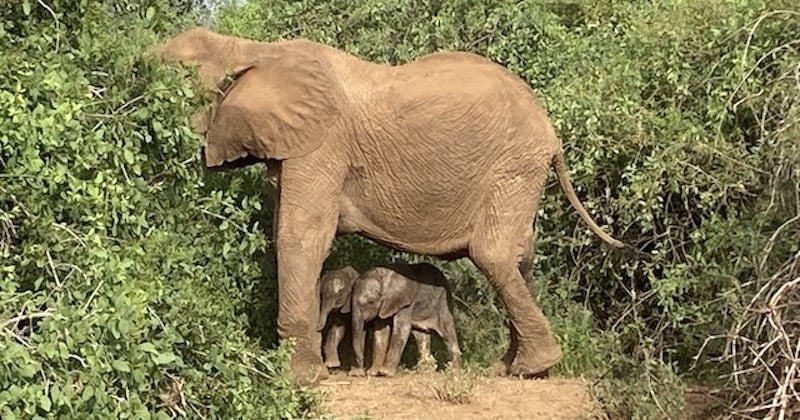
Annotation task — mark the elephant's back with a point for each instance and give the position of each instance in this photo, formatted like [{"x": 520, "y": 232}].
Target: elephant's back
[{"x": 430, "y": 139}]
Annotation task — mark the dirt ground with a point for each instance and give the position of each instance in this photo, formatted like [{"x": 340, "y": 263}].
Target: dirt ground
[
  {"x": 442, "y": 397},
  {"x": 439, "y": 396}
]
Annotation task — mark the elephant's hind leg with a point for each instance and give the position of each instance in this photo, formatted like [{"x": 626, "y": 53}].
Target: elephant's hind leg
[
  {"x": 501, "y": 238},
  {"x": 447, "y": 326},
  {"x": 503, "y": 366},
  {"x": 425, "y": 359}
]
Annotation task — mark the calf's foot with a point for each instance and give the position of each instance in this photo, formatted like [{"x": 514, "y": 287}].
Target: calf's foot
[
  {"x": 333, "y": 363},
  {"x": 387, "y": 371},
  {"x": 357, "y": 372}
]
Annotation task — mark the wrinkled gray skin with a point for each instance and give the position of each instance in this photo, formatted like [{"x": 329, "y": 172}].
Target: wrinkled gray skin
[
  {"x": 335, "y": 290},
  {"x": 401, "y": 297}
]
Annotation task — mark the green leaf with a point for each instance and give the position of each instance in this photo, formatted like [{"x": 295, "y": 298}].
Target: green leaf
[
  {"x": 148, "y": 347},
  {"x": 16, "y": 391},
  {"x": 26, "y": 7},
  {"x": 27, "y": 370},
  {"x": 128, "y": 156},
  {"x": 45, "y": 403},
  {"x": 121, "y": 365},
  {"x": 150, "y": 13},
  {"x": 164, "y": 358},
  {"x": 7, "y": 413},
  {"x": 123, "y": 325}
]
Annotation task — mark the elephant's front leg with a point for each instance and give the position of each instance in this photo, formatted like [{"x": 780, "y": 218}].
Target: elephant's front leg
[
  {"x": 334, "y": 337},
  {"x": 307, "y": 220},
  {"x": 359, "y": 337},
  {"x": 401, "y": 329},
  {"x": 380, "y": 339}
]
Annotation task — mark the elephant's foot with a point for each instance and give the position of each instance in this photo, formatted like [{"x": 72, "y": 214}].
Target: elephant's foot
[
  {"x": 373, "y": 372},
  {"x": 333, "y": 363},
  {"x": 356, "y": 372},
  {"x": 387, "y": 371},
  {"x": 522, "y": 374},
  {"x": 500, "y": 368},
  {"x": 307, "y": 370},
  {"x": 536, "y": 363}
]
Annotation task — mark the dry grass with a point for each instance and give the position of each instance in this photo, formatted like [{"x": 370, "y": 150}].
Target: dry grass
[{"x": 454, "y": 386}]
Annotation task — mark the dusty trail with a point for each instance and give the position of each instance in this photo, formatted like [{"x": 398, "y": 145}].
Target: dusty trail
[{"x": 413, "y": 395}]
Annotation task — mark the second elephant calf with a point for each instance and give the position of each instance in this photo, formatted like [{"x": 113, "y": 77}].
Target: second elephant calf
[
  {"x": 401, "y": 297},
  {"x": 336, "y": 287}
]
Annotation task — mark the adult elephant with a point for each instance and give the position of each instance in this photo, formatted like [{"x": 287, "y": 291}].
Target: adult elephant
[{"x": 446, "y": 156}]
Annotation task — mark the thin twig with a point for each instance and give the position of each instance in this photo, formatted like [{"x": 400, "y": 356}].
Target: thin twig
[
  {"x": 52, "y": 268},
  {"x": 221, "y": 217},
  {"x": 16, "y": 319},
  {"x": 92, "y": 296},
  {"x": 55, "y": 18}
]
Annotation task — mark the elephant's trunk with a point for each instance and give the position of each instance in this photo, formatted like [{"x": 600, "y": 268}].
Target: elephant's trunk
[{"x": 323, "y": 317}]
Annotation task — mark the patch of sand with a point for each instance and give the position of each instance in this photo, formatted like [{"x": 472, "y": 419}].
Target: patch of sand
[{"x": 415, "y": 395}]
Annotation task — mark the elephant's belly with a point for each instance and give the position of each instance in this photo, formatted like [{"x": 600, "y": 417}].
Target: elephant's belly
[
  {"x": 408, "y": 228},
  {"x": 428, "y": 323}
]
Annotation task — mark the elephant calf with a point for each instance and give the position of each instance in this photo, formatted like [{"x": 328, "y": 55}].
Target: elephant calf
[
  {"x": 336, "y": 287},
  {"x": 401, "y": 297}
]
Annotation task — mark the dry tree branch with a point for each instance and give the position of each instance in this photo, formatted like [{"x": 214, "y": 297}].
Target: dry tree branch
[
  {"x": 763, "y": 348},
  {"x": 750, "y": 35},
  {"x": 771, "y": 242}
]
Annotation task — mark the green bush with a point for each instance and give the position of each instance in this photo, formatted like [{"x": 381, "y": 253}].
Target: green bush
[{"x": 128, "y": 275}]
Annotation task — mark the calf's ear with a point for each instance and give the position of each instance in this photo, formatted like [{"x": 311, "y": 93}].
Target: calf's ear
[{"x": 398, "y": 293}]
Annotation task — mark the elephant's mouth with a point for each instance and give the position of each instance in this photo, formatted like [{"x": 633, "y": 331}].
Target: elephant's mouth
[{"x": 238, "y": 163}]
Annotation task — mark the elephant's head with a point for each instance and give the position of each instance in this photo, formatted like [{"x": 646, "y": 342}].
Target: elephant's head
[
  {"x": 336, "y": 288},
  {"x": 277, "y": 105},
  {"x": 381, "y": 293}
]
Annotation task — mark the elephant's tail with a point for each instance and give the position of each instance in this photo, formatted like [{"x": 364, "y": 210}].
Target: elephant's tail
[{"x": 560, "y": 166}]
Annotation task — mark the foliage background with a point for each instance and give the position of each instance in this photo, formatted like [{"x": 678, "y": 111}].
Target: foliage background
[
  {"x": 126, "y": 270},
  {"x": 127, "y": 275}
]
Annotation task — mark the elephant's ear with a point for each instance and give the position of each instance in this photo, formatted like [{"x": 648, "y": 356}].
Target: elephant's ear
[
  {"x": 398, "y": 293},
  {"x": 279, "y": 108},
  {"x": 349, "y": 275}
]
